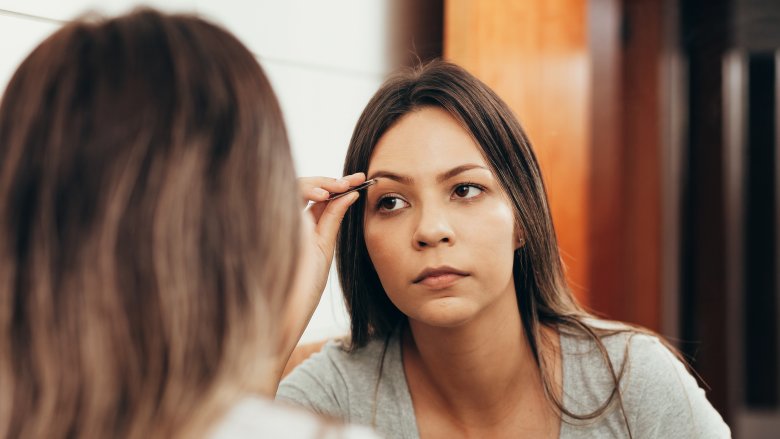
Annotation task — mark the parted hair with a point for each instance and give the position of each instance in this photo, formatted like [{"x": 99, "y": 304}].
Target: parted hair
[{"x": 147, "y": 232}]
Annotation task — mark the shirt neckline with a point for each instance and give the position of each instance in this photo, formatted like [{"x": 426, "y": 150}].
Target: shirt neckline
[{"x": 401, "y": 385}]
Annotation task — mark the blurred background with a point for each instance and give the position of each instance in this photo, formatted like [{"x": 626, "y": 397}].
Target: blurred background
[{"x": 656, "y": 122}]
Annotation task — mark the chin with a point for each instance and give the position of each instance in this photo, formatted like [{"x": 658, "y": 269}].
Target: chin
[{"x": 445, "y": 312}]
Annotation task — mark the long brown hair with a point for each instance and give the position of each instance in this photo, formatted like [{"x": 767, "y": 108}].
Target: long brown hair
[
  {"x": 543, "y": 295},
  {"x": 147, "y": 235}
]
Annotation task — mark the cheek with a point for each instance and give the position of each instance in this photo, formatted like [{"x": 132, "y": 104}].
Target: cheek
[
  {"x": 502, "y": 221},
  {"x": 491, "y": 236},
  {"x": 382, "y": 244},
  {"x": 385, "y": 248}
]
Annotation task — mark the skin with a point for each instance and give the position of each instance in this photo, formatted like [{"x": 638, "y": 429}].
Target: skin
[
  {"x": 469, "y": 369},
  {"x": 319, "y": 229}
]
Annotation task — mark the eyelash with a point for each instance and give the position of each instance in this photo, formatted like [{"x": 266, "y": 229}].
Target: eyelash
[
  {"x": 378, "y": 204},
  {"x": 470, "y": 184}
]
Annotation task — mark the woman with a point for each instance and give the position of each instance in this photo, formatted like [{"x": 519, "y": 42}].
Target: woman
[
  {"x": 150, "y": 235},
  {"x": 462, "y": 322}
]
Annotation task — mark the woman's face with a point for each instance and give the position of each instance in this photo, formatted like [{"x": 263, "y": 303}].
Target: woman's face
[{"x": 438, "y": 227}]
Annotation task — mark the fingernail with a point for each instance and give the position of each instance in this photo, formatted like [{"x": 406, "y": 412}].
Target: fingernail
[{"x": 320, "y": 192}]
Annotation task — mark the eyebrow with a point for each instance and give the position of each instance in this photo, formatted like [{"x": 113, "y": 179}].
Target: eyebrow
[{"x": 444, "y": 176}]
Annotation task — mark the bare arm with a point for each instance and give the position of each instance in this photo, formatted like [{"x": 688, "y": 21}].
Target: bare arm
[{"x": 321, "y": 225}]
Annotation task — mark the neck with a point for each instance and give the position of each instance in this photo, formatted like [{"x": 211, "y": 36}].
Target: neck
[{"x": 482, "y": 366}]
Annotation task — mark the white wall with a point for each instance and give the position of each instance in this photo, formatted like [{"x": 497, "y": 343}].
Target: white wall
[{"x": 324, "y": 58}]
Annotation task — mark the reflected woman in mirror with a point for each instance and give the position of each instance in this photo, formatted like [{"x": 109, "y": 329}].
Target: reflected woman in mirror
[{"x": 462, "y": 322}]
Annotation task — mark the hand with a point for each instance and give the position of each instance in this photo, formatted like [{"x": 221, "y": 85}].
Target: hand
[
  {"x": 318, "y": 241},
  {"x": 318, "y": 189},
  {"x": 326, "y": 217}
]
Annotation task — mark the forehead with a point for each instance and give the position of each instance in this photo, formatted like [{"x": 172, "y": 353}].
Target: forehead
[{"x": 424, "y": 140}]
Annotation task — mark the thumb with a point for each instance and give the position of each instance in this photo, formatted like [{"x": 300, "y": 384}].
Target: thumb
[{"x": 328, "y": 225}]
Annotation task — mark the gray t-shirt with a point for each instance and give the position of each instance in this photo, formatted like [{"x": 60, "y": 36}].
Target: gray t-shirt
[{"x": 660, "y": 397}]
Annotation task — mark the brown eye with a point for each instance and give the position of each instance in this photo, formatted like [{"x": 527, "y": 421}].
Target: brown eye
[
  {"x": 467, "y": 191},
  {"x": 388, "y": 204}
]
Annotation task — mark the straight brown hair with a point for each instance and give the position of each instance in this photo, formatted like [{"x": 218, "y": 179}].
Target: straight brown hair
[
  {"x": 543, "y": 295},
  {"x": 147, "y": 235}
]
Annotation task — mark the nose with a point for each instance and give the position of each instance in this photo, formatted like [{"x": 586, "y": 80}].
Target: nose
[{"x": 433, "y": 229}]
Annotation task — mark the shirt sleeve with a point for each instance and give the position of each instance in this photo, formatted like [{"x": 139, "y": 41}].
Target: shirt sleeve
[
  {"x": 317, "y": 385},
  {"x": 663, "y": 399}
]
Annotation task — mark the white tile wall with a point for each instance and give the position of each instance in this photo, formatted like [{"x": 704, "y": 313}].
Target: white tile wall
[
  {"x": 18, "y": 37},
  {"x": 324, "y": 58},
  {"x": 320, "y": 108},
  {"x": 345, "y": 35},
  {"x": 63, "y": 10}
]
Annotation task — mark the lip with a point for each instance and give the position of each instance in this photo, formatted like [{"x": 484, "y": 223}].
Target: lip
[{"x": 439, "y": 277}]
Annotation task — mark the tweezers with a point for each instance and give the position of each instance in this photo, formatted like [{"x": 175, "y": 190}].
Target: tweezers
[{"x": 361, "y": 186}]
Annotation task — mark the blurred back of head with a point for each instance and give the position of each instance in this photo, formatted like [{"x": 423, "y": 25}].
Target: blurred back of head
[{"x": 147, "y": 229}]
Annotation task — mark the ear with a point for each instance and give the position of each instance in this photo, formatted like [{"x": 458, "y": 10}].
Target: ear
[{"x": 519, "y": 240}]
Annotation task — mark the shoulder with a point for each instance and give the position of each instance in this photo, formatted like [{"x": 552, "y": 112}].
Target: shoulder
[
  {"x": 665, "y": 399},
  {"x": 257, "y": 417},
  {"x": 631, "y": 352},
  {"x": 585, "y": 360},
  {"x": 325, "y": 382},
  {"x": 335, "y": 362},
  {"x": 660, "y": 396}
]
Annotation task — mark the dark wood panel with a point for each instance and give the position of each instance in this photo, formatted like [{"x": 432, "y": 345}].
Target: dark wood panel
[
  {"x": 760, "y": 231},
  {"x": 703, "y": 287}
]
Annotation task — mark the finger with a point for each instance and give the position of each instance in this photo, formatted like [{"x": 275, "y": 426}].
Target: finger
[
  {"x": 307, "y": 184},
  {"x": 311, "y": 188},
  {"x": 327, "y": 227},
  {"x": 356, "y": 182},
  {"x": 316, "y": 210},
  {"x": 318, "y": 189},
  {"x": 355, "y": 179},
  {"x": 314, "y": 195}
]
